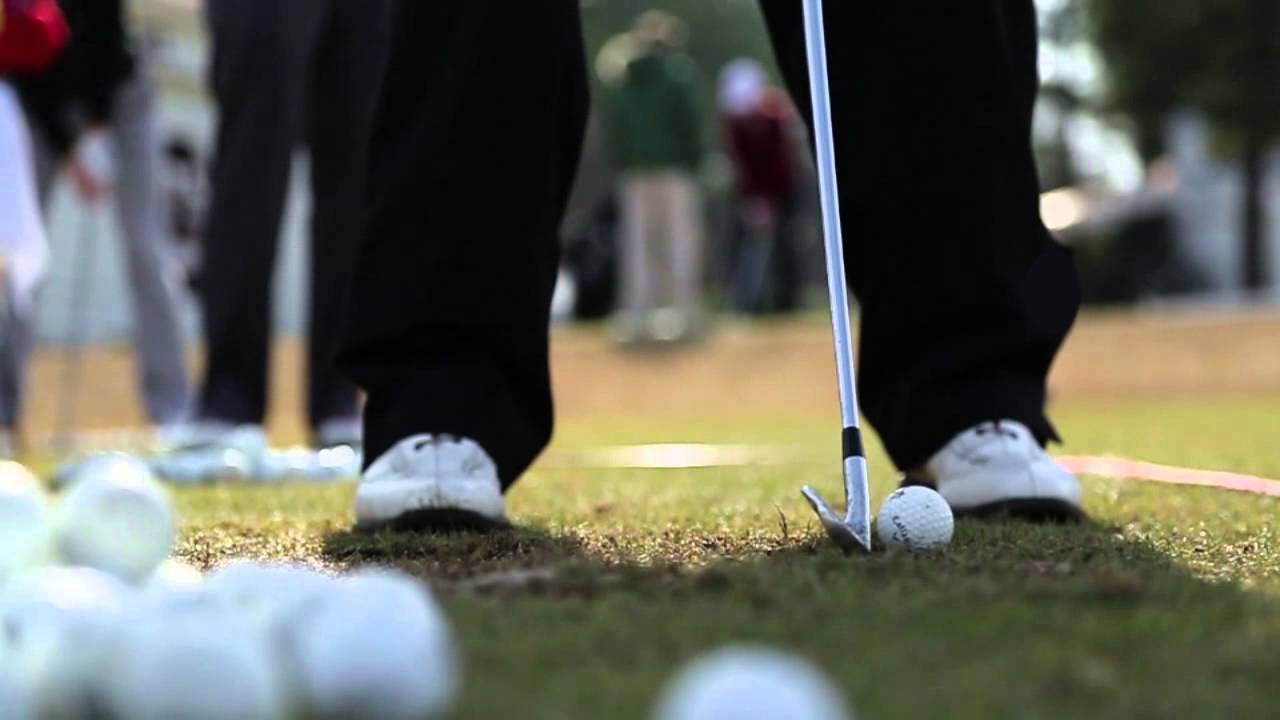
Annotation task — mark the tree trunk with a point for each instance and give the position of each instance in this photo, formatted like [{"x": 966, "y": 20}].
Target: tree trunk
[{"x": 1254, "y": 224}]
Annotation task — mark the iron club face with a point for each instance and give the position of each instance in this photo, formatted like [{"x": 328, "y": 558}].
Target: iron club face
[{"x": 852, "y": 531}]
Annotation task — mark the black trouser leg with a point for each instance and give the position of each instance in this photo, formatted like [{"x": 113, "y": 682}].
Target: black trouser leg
[
  {"x": 347, "y": 62},
  {"x": 965, "y": 297},
  {"x": 260, "y": 54},
  {"x": 475, "y": 143}
]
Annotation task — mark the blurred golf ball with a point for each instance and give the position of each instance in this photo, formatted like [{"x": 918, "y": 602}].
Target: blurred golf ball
[
  {"x": 751, "y": 684},
  {"x": 17, "y": 701},
  {"x": 267, "y": 591},
  {"x": 375, "y": 646},
  {"x": 173, "y": 576},
  {"x": 24, "y": 512},
  {"x": 62, "y": 627},
  {"x": 119, "y": 520},
  {"x": 917, "y": 519},
  {"x": 103, "y": 465},
  {"x": 198, "y": 662}
]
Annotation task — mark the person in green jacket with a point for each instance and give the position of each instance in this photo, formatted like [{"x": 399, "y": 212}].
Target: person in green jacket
[{"x": 658, "y": 142}]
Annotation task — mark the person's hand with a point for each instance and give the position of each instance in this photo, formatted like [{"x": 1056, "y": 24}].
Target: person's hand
[
  {"x": 90, "y": 189},
  {"x": 91, "y": 166}
]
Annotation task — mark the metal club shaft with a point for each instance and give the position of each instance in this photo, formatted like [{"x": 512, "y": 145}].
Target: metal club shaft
[{"x": 854, "y": 528}]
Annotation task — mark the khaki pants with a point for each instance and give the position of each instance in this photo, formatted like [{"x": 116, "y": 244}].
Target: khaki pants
[{"x": 662, "y": 241}]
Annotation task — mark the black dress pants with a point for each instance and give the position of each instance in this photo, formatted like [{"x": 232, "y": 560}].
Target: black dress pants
[
  {"x": 285, "y": 73},
  {"x": 965, "y": 298}
]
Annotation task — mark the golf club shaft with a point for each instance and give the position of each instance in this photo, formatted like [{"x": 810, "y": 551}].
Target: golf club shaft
[{"x": 828, "y": 186}]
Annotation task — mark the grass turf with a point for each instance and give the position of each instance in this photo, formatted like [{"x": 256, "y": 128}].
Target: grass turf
[{"x": 1166, "y": 605}]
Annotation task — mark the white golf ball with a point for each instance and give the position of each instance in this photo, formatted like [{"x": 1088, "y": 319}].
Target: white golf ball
[
  {"x": 63, "y": 627},
  {"x": 95, "y": 466},
  {"x": 198, "y": 662},
  {"x": 17, "y": 700},
  {"x": 24, "y": 515},
  {"x": 377, "y": 646},
  {"x": 751, "y": 684},
  {"x": 266, "y": 591},
  {"x": 46, "y": 596},
  {"x": 915, "y": 518},
  {"x": 120, "y": 521},
  {"x": 173, "y": 576}
]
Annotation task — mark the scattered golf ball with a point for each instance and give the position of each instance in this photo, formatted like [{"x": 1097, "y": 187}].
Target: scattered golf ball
[
  {"x": 104, "y": 465},
  {"x": 201, "y": 663},
  {"x": 119, "y": 521},
  {"x": 24, "y": 512},
  {"x": 62, "y": 627},
  {"x": 173, "y": 576},
  {"x": 375, "y": 646},
  {"x": 267, "y": 592},
  {"x": 751, "y": 684},
  {"x": 917, "y": 519},
  {"x": 16, "y": 698}
]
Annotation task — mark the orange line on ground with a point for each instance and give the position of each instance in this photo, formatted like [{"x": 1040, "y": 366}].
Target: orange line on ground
[{"x": 1173, "y": 475}]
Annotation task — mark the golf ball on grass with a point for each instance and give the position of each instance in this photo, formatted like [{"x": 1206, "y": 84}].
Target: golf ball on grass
[
  {"x": 375, "y": 646},
  {"x": 119, "y": 521},
  {"x": 24, "y": 514},
  {"x": 198, "y": 662},
  {"x": 173, "y": 576},
  {"x": 96, "y": 466},
  {"x": 751, "y": 684},
  {"x": 62, "y": 627},
  {"x": 17, "y": 701},
  {"x": 268, "y": 592},
  {"x": 917, "y": 519}
]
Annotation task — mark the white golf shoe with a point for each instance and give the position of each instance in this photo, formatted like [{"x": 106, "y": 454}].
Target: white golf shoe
[
  {"x": 998, "y": 468},
  {"x": 431, "y": 483}
]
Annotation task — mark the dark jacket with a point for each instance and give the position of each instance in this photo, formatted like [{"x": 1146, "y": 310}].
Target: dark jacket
[
  {"x": 83, "y": 81},
  {"x": 654, "y": 118}
]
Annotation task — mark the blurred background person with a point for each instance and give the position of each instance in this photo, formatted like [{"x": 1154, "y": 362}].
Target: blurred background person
[
  {"x": 761, "y": 133},
  {"x": 93, "y": 119},
  {"x": 284, "y": 73},
  {"x": 658, "y": 143},
  {"x": 23, "y": 253},
  {"x": 27, "y": 43}
]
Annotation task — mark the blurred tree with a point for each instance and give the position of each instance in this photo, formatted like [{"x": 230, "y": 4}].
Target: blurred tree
[{"x": 1221, "y": 57}]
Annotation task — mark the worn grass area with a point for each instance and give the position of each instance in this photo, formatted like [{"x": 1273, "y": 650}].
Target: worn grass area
[{"x": 1166, "y": 606}]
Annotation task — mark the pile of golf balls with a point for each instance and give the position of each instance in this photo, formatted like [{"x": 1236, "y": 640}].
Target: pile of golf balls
[
  {"x": 98, "y": 622},
  {"x": 916, "y": 519}
]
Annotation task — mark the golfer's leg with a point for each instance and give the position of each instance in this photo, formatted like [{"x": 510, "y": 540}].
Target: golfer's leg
[
  {"x": 966, "y": 299},
  {"x": 17, "y": 333},
  {"x": 685, "y": 210},
  {"x": 343, "y": 92},
  {"x": 475, "y": 142},
  {"x": 260, "y": 52},
  {"x": 635, "y": 270},
  {"x": 158, "y": 337}
]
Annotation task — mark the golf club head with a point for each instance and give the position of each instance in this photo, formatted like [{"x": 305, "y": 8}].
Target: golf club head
[{"x": 842, "y": 533}]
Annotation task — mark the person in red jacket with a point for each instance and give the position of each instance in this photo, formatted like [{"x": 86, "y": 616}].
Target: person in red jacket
[
  {"x": 762, "y": 138},
  {"x": 93, "y": 119}
]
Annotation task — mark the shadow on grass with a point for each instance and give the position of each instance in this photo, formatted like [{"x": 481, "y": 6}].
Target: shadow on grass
[
  {"x": 1014, "y": 620},
  {"x": 988, "y": 560}
]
